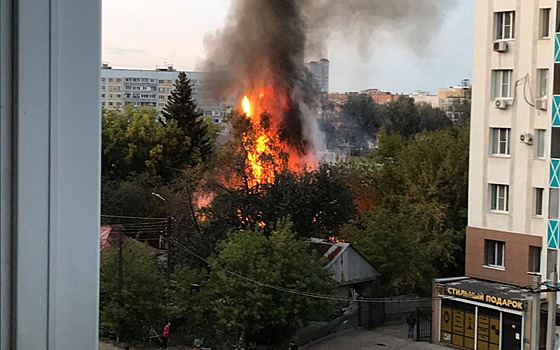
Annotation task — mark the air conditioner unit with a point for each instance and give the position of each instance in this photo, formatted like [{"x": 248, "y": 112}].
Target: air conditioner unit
[
  {"x": 500, "y": 46},
  {"x": 502, "y": 104},
  {"x": 542, "y": 104},
  {"x": 526, "y": 138}
]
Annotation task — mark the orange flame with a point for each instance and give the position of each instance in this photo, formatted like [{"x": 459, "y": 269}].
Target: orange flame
[
  {"x": 247, "y": 108},
  {"x": 266, "y": 155}
]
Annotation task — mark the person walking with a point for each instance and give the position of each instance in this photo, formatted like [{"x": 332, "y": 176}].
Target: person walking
[
  {"x": 411, "y": 321},
  {"x": 165, "y": 336}
]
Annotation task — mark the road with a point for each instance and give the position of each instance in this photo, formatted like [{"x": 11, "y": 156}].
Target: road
[{"x": 388, "y": 338}]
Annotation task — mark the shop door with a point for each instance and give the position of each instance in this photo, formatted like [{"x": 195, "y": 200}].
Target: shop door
[{"x": 511, "y": 332}]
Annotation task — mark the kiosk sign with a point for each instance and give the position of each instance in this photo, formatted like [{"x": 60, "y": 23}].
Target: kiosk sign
[{"x": 483, "y": 298}]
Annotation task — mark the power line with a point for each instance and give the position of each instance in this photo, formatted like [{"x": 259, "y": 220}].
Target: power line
[
  {"x": 131, "y": 217},
  {"x": 299, "y": 292}
]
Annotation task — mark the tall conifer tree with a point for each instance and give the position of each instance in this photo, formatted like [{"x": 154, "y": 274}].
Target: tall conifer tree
[{"x": 182, "y": 108}]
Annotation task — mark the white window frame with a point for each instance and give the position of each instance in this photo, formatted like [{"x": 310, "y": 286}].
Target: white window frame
[
  {"x": 542, "y": 82},
  {"x": 538, "y": 201},
  {"x": 498, "y": 195},
  {"x": 502, "y": 84},
  {"x": 501, "y": 26},
  {"x": 499, "y": 250},
  {"x": 544, "y": 23},
  {"x": 540, "y": 143},
  {"x": 500, "y": 140}
]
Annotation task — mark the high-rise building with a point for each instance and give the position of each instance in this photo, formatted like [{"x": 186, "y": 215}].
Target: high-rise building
[
  {"x": 320, "y": 71},
  {"x": 152, "y": 88},
  {"x": 514, "y": 181}
]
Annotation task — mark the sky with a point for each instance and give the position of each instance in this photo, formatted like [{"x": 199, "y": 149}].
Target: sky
[{"x": 151, "y": 33}]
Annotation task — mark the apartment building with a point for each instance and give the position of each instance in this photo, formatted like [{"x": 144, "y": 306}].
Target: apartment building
[
  {"x": 447, "y": 96},
  {"x": 320, "y": 71},
  {"x": 152, "y": 88},
  {"x": 514, "y": 181}
]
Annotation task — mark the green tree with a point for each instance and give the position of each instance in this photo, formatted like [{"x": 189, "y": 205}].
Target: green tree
[
  {"x": 254, "y": 312},
  {"x": 143, "y": 292},
  {"x": 181, "y": 108},
  {"x": 402, "y": 117},
  {"x": 134, "y": 143},
  {"x": 419, "y": 192}
]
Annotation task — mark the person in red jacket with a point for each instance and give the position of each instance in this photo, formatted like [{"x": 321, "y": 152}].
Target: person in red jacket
[{"x": 165, "y": 335}]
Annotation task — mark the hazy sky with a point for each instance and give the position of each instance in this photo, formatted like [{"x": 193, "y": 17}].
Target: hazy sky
[{"x": 150, "y": 33}]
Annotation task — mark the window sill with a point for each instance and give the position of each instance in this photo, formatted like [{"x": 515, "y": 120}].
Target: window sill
[
  {"x": 507, "y": 39},
  {"x": 540, "y": 159},
  {"x": 545, "y": 38},
  {"x": 493, "y": 267},
  {"x": 499, "y": 212},
  {"x": 537, "y": 217},
  {"x": 507, "y": 156}
]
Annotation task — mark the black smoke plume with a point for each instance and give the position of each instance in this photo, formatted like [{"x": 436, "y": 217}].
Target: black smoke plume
[{"x": 268, "y": 41}]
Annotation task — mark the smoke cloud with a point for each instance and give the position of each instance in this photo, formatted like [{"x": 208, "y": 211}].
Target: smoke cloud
[{"x": 268, "y": 41}]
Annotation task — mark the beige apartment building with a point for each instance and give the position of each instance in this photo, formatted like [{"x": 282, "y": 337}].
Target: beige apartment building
[
  {"x": 152, "y": 88},
  {"x": 514, "y": 182}
]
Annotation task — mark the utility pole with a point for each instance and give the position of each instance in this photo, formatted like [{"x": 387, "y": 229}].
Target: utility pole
[
  {"x": 551, "y": 325},
  {"x": 536, "y": 313},
  {"x": 121, "y": 277},
  {"x": 168, "y": 243}
]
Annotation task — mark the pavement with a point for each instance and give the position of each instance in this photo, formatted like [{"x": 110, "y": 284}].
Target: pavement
[{"x": 387, "y": 337}]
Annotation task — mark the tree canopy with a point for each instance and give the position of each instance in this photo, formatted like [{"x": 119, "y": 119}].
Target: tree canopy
[{"x": 256, "y": 312}]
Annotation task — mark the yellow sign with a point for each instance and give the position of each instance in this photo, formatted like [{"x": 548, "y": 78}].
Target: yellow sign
[{"x": 489, "y": 299}]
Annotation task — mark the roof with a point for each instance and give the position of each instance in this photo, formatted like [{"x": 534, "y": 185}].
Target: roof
[
  {"x": 331, "y": 251},
  {"x": 498, "y": 294},
  {"x": 109, "y": 236}
]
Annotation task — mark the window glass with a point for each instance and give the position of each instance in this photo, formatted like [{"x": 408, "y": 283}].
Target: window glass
[
  {"x": 499, "y": 197},
  {"x": 534, "y": 259},
  {"x": 501, "y": 84},
  {"x": 504, "y": 25},
  {"x": 495, "y": 253},
  {"x": 500, "y": 141},
  {"x": 553, "y": 203},
  {"x": 538, "y": 195},
  {"x": 555, "y": 143},
  {"x": 543, "y": 82},
  {"x": 544, "y": 30}
]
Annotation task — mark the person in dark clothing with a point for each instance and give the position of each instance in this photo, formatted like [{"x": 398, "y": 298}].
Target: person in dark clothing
[
  {"x": 165, "y": 336},
  {"x": 411, "y": 321}
]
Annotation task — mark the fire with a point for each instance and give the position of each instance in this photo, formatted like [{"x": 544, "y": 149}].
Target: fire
[
  {"x": 266, "y": 154},
  {"x": 246, "y": 105}
]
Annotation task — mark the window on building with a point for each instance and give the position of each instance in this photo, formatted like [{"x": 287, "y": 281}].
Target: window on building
[
  {"x": 161, "y": 104},
  {"x": 542, "y": 76},
  {"x": 540, "y": 143},
  {"x": 499, "y": 141},
  {"x": 505, "y": 25},
  {"x": 102, "y": 95},
  {"x": 110, "y": 80},
  {"x": 102, "y": 87},
  {"x": 499, "y": 197},
  {"x": 119, "y": 95},
  {"x": 161, "y": 81},
  {"x": 495, "y": 252},
  {"x": 103, "y": 103},
  {"x": 555, "y": 143},
  {"x": 538, "y": 197},
  {"x": 119, "y": 104},
  {"x": 102, "y": 80},
  {"x": 110, "y": 95},
  {"x": 110, "y": 88},
  {"x": 544, "y": 23},
  {"x": 119, "y": 80},
  {"x": 501, "y": 83},
  {"x": 110, "y": 103},
  {"x": 170, "y": 81},
  {"x": 553, "y": 201},
  {"x": 535, "y": 259},
  {"x": 161, "y": 97}
]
